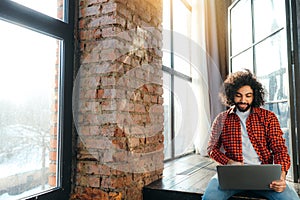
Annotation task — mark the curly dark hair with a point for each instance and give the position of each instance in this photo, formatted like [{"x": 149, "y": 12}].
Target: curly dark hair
[{"x": 237, "y": 80}]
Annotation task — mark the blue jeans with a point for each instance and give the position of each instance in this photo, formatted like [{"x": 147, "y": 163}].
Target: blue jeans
[{"x": 213, "y": 192}]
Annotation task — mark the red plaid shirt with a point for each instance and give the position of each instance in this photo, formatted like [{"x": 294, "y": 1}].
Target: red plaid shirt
[{"x": 264, "y": 133}]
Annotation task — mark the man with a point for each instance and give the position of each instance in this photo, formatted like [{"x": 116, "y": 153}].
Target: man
[{"x": 247, "y": 134}]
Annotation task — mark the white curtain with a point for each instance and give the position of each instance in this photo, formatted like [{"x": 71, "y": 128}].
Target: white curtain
[{"x": 206, "y": 76}]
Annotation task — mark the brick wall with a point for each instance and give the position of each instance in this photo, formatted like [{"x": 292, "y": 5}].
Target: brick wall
[{"x": 117, "y": 97}]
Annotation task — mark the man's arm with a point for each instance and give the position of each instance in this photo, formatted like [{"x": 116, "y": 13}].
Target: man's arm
[
  {"x": 279, "y": 149},
  {"x": 214, "y": 143},
  {"x": 277, "y": 142}
]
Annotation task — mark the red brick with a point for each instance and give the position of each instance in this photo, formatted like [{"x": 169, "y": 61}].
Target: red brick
[
  {"x": 53, "y": 130},
  {"x": 115, "y": 196},
  {"x": 53, "y": 143},
  {"x": 109, "y": 7},
  {"x": 139, "y": 108},
  {"x": 109, "y": 54},
  {"x": 136, "y": 130},
  {"x": 100, "y": 93},
  {"x": 53, "y": 155},
  {"x": 88, "y": 11},
  {"x": 97, "y": 143},
  {"x": 52, "y": 168},
  {"x": 52, "y": 181},
  {"x": 112, "y": 182},
  {"x": 108, "y": 20}
]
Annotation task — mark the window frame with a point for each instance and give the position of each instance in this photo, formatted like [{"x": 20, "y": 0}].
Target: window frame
[
  {"x": 174, "y": 73},
  {"x": 293, "y": 17},
  {"x": 20, "y": 15}
]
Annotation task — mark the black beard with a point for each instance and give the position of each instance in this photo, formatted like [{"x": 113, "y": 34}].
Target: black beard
[{"x": 240, "y": 109}]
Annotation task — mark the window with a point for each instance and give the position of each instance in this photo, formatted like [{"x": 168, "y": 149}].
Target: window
[
  {"x": 50, "y": 8},
  {"x": 35, "y": 81},
  {"x": 258, "y": 41},
  {"x": 177, "y": 78}
]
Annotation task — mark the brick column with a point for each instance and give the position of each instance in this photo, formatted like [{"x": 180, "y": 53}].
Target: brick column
[{"x": 117, "y": 98}]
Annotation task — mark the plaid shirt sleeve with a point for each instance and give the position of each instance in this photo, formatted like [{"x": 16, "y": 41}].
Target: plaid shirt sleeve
[
  {"x": 276, "y": 142},
  {"x": 214, "y": 143}
]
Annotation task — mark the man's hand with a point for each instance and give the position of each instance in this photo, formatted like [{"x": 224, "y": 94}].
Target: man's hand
[
  {"x": 279, "y": 185},
  {"x": 232, "y": 162}
]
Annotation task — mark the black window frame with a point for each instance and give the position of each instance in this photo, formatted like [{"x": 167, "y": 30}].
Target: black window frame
[
  {"x": 20, "y": 15},
  {"x": 293, "y": 29}
]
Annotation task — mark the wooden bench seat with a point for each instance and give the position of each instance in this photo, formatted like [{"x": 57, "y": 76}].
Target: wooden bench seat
[{"x": 186, "y": 178}]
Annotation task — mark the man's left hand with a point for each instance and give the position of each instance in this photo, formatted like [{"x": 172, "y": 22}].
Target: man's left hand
[{"x": 279, "y": 185}]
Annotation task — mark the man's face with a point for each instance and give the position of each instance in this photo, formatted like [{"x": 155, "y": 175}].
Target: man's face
[{"x": 243, "y": 98}]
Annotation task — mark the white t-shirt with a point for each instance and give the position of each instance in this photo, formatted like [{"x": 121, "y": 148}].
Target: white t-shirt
[{"x": 249, "y": 154}]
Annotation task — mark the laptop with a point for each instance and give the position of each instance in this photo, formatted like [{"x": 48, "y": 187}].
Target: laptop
[{"x": 247, "y": 177}]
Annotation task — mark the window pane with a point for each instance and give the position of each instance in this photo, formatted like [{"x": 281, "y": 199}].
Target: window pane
[
  {"x": 182, "y": 35},
  {"x": 28, "y": 101},
  {"x": 243, "y": 61},
  {"x": 271, "y": 66},
  {"x": 167, "y": 116},
  {"x": 52, "y": 8},
  {"x": 269, "y": 16},
  {"x": 181, "y": 18},
  {"x": 182, "y": 63},
  {"x": 281, "y": 109},
  {"x": 166, "y": 34},
  {"x": 241, "y": 28},
  {"x": 166, "y": 14},
  {"x": 186, "y": 116}
]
